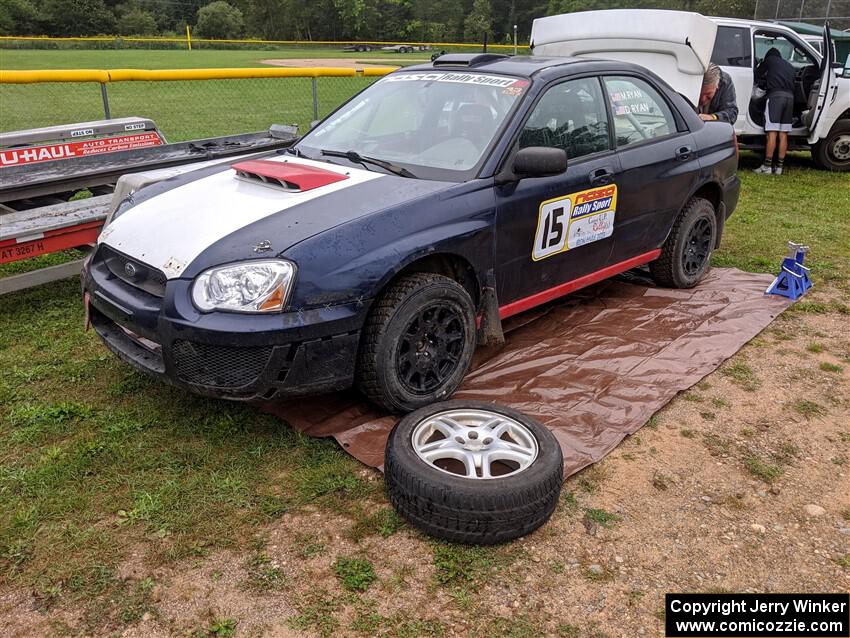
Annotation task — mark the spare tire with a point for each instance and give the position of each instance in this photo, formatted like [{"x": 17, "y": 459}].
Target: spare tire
[{"x": 473, "y": 472}]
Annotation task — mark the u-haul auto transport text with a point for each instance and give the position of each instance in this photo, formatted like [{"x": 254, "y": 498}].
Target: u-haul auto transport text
[
  {"x": 17, "y": 156},
  {"x": 728, "y": 607}
]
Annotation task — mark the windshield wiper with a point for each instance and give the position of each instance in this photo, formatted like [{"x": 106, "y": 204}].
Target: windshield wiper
[{"x": 354, "y": 156}]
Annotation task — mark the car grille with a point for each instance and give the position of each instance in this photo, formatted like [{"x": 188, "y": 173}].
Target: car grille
[
  {"x": 219, "y": 366},
  {"x": 133, "y": 272}
]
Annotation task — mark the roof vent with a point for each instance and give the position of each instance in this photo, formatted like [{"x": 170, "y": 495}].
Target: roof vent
[
  {"x": 467, "y": 59},
  {"x": 289, "y": 176}
]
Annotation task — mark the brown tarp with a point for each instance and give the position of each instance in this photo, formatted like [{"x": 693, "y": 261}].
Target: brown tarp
[{"x": 593, "y": 367}]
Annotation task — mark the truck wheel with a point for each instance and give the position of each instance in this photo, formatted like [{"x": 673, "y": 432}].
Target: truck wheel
[
  {"x": 473, "y": 472},
  {"x": 833, "y": 152},
  {"x": 687, "y": 251},
  {"x": 417, "y": 343}
]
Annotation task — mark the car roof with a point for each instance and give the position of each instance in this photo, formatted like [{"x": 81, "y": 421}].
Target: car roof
[{"x": 520, "y": 65}]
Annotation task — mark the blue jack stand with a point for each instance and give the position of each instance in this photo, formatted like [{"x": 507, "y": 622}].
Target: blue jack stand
[{"x": 793, "y": 278}]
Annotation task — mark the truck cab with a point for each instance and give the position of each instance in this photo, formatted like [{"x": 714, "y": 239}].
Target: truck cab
[
  {"x": 822, "y": 95},
  {"x": 679, "y": 45}
]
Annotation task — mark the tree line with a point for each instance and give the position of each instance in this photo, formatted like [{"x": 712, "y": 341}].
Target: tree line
[{"x": 364, "y": 20}]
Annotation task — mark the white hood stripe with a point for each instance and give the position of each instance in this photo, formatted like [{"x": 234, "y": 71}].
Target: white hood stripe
[{"x": 170, "y": 230}]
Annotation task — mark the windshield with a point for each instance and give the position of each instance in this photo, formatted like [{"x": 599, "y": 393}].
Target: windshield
[{"x": 437, "y": 124}]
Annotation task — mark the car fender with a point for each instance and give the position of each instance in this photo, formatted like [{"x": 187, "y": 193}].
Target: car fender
[{"x": 356, "y": 260}]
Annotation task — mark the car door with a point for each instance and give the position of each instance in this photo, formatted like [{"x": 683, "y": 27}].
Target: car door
[
  {"x": 734, "y": 54},
  {"x": 827, "y": 90},
  {"x": 555, "y": 229},
  {"x": 659, "y": 164}
]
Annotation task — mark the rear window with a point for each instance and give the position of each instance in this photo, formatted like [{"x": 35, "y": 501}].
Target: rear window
[
  {"x": 732, "y": 47},
  {"x": 640, "y": 113}
]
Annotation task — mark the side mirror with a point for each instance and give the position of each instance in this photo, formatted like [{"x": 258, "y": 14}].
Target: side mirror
[{"x": 539, "y": 161}]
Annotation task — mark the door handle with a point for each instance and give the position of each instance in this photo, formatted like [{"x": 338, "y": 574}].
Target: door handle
[
  {"x": 601, "y": 176},
  {"x": 684, "y": 152}
]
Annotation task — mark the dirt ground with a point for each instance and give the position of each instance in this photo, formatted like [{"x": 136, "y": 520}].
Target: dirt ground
[
  {"x": 739, "y": 484},
  {"x": 347, "y": 63}
]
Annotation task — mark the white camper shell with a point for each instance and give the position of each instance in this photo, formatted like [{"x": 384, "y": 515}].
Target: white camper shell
[
  {"x": 675, "y": 45},
  {"x": 678, "y": 46}
]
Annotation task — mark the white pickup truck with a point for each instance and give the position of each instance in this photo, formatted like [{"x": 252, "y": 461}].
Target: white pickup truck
[{"x": 678, "y": 46}]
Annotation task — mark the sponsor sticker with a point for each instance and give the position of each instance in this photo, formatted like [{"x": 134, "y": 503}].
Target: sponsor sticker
[
  {"x": 82, "y": 132},
  {"x": 574, "y": 220},
  {"x": 32, "y": 155},
  {"x": 479, "y": 79}
]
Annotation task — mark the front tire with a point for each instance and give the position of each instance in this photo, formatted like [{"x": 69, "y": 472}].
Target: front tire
[
  {"x": 417, "y": 343},
  {"x": 832, "y": 153},
  {"x": 686, "y": 253},
  {"x": 473, "y": 472}
]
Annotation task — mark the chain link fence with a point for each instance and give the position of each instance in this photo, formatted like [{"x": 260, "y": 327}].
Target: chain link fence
[
  {"x": 182, "y": 109},
  {"x": 837, "y": 12}
]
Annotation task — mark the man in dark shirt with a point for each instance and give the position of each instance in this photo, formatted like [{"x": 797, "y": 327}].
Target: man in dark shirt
[
  {"x": 776, "y": 76},
  {"x": 717, "y": 98}
]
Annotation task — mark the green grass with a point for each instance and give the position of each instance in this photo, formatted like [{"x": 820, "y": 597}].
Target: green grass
[
  {"x": 182, "y": 109},
  {"x": 742, "y": 375},
  {"x": 180, "y": 59},
  {"x": 808, "y": 409},
  {"x": 96, "y": 459},
  {"x": 761, "y": 469},
  {"x": 830, "y": 367},
  {"x": 801, "y": 206},
  {"x": 601, "y": 517},
  {"x": 355, "y": 574}
]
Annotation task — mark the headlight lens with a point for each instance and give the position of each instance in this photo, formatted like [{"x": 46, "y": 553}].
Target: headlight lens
[{"x": 252, "y": 286}]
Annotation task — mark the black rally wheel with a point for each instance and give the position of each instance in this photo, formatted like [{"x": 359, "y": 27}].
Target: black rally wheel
[
  {"x": 833, "y": 152},
  {"x": 417, "y": 343},
  {"x": 686, "y": 253},
  {"x": 473, "y": 472}
]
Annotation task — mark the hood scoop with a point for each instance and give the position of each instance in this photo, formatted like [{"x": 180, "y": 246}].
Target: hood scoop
[{"x": 287, "y": 176}]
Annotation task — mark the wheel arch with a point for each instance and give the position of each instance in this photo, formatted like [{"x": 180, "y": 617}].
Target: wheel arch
[
  {"x": 448, "y": 264},
  {"x": 712, "y": 192}
]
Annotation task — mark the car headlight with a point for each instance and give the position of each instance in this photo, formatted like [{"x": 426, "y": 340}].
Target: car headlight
[{"x": 261, "y": 285}]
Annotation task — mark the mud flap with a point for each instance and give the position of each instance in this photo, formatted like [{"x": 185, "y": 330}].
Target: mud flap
[{"x": 490, "y": 330}]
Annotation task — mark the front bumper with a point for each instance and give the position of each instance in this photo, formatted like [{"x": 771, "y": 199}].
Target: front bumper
[{"x": 243, "y": 357}]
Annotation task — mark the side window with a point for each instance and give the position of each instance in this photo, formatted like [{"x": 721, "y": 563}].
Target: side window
[
  {"x": 788, "y": 49},
  {"x": 640, "y": 113},
  {"x": 571, "y": 116},
  {"x": 732, "y": 47}
]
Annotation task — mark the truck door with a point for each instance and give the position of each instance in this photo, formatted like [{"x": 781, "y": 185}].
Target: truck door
[
  {"x": 827, "y": 90},
  {"x": 553, "y": 230}
]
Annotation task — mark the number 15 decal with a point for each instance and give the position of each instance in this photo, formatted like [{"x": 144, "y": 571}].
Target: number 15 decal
[
  {"x": 552, "y": 225},
  {"x": 574, "y": 220}
]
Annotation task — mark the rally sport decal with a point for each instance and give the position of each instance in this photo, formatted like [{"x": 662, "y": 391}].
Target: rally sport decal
[{"x": 574, "y": 220}]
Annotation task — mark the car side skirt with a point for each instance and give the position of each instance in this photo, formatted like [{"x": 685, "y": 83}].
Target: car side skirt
[{"x": 544, "y": 296}]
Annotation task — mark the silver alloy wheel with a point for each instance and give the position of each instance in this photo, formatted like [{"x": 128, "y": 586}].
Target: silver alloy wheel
[
  {"x": 477, "y": 444},
  {"x": 841, "y": 147}
]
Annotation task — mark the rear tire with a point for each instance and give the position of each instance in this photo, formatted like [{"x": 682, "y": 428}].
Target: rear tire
[
  {"x": 417, "y": 343},
  {"x": 832, "y": 153},
  {"x": 686, "y": 253},
  {"x": 469, "y": 510}
]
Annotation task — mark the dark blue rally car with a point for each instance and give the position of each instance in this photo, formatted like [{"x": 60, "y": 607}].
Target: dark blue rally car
[{"x": 380, "y": 249}]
